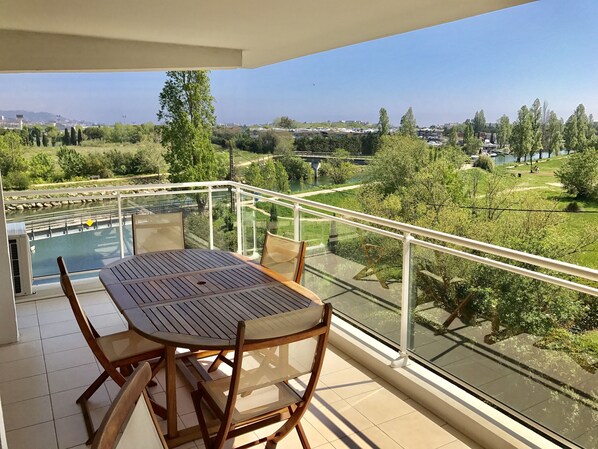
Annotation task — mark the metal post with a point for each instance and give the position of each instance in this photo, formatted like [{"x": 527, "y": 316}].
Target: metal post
[
  {"x": 254, "y": 231},
  {"x": 405, "y": 303},
  {"x": 211, "y": 217},
  {"x": 121, "y": 234},
  {"x": 297, "y": 222},
  {"x": 239, "y": 220}
]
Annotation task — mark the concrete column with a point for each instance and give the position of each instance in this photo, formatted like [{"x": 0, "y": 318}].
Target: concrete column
[
  {"x": 8, "y": 314},
  {"x": 315, "y": 164}
]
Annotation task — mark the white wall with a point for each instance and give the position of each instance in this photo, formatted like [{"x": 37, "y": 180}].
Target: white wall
[{"x": 8, "y": 314}]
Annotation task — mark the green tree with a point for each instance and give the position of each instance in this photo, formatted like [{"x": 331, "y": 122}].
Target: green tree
[
  {"x": 71, "y": 162},
  {"x": 554, "y": 134},
  {"x": 579, "y": 175},
  {"x": 41, "y": 167},
  {"x": 383, "y": 123},
  {"x": 66, "y": 138},
  {"x": 45, "y": 139},
  {"x": 73, "y": 137},
  {"x": 296, "y": 168},
  {"x": 11, "y": 154},
  {"x": 479, "y": 123},
  {"x": 186, "y": 107},
  {"x": 267, "y": 175},
  {"x": 453, "y": 138},
  {"x": 484, "y": 162},
  {"x": 577, "y": 130},
  {"x": 79, "y": 136},
  {"x": 536, "y": 122},
  {"x": 503, "y": 134},
  {"x": 408, "y": 126},
  {"x": 521, "y": 134},
  {"x": 285, "y": 122},
  {"x": 339, "y": 168}
]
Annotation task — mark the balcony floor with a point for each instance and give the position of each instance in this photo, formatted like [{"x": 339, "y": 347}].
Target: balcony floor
[{"x": 42, "y": 375}]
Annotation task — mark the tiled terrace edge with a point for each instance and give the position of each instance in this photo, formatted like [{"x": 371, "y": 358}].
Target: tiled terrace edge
[{"x": 485, "y": 425}]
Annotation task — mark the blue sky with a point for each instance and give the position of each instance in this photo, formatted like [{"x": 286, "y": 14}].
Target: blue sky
[{"x": 496, "y": 62}]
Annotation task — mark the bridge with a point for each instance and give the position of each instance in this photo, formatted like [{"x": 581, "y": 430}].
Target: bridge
[{"x": 315, "y": 159}]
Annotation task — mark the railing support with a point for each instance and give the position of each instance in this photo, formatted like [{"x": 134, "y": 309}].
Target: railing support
[
  {"x": 405, "y": 303},
  {"x": 211, "y": 217},
  {"x": 239, "y": 220},
  {"x": 297, "y": 221},
  {"x": 121, "y": 234}
]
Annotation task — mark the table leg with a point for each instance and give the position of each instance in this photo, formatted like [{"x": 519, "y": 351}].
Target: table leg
[{"x": 171, "y": 392}]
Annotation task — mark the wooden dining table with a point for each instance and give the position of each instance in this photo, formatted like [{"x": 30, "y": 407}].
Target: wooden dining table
[{"x": 194, "y": 299}]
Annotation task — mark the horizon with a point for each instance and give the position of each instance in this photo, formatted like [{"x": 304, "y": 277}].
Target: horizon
[{"x": 496, "y": 62}]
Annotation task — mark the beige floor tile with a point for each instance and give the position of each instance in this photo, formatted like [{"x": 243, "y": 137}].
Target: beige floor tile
[
  {"x": 422, "y": 433},
  {"x": 184, "y": 403},
  {"x": 372, "y": 437},
  {"x": 57, "y": 329},
  {"x": 20, "y": 369},
  {"x": 291, "y": 441},
  {"x": 189, "y": 420},
  {"x": 103, "y": 321},
  {"x": 337, "y": 420},
  {"x": 93, "y": 298},
  {"x": 21, "y": 350},
  {"x": 461, "y": 442},
  {"x": 100, "y": 309},
  {"x": 333, "y": 363},
  {"x": 63, "y": 343},
  {"x": 382, "y": 404},
  {"x": 53, "y": 304},
  {"x": 68, "y": 359},
  {"x": 55, "y": 316},
  {"x": 70, "y": 431},
  {"x": 29, "y": 334},
  {"x": 27, "y": 321},
  {"x": 22, "y": 389},
  {"x": 64, "y": 403},
  {"x": 98, "y": 414},
  {"x": 40, "y": 436},
  {"x": 67, "y": 379},
  {"x": 26, "y": 308},
  {"x": 27, "y": 413},
  {"x": 349, "y": 382}
]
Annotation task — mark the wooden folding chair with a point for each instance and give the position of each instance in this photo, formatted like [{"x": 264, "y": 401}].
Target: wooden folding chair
[
  {"x": 282, "y": 255},
  {"x": 130, "y": 423},
  {"x": 117, "y": 353},
  {"x": 271, "y": 353},
  {"x": 158, "y": 232}
]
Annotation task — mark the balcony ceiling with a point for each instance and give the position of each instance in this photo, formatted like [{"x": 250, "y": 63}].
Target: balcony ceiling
[{"x": 70, "y": 35}]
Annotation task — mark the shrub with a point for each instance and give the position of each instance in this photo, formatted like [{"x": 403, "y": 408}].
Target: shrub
[
  {"x": 484, "y": 162},
  {"x": 573, "y": 206},
  {"x": 16, "y": 180},
  {"x": 580, "y": 174}
]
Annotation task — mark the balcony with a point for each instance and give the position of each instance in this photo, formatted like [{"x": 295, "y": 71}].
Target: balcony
[{"x": 423, "y": 353}]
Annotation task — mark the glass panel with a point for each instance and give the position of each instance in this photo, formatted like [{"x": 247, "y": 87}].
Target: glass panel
[
  {"x": 358, "y": 272},
  {"x": 84, "y": 233},
  {"x": 526, "y": 343}
]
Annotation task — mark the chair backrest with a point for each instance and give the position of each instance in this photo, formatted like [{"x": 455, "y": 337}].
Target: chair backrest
[
  {"x": 275, "y": 350},
  {"x": 158, "y": 232},
  {"x": 283, "y": 255},
  {"x": 85, "y": 325},
  {"x": 130, "y": 422}
]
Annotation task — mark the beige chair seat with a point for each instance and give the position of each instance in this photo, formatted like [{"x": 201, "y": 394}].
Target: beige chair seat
[
  {"x": 256, "y": 402},
  {"x": 124, "y": 345}
]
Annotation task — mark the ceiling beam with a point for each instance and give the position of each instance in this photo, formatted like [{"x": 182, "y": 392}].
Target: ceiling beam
[{"x": 25, "y": 51}]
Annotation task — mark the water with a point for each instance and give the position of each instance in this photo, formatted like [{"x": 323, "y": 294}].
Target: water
[{"x": 503, "y": 159}]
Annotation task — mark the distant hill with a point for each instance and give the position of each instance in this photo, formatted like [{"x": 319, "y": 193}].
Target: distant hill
[{"x": 34, "y": 117}]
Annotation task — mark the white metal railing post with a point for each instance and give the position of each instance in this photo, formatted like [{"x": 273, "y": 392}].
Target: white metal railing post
[
  {"x": 405, "y": 303},
  {"x": 121, "y": 233},
  {"x": 239, "y": 220},
  {"x": 297, "y": 221},
  {"x": 211, "y": 217}
]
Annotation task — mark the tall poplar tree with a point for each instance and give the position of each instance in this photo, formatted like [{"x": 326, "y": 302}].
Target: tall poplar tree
[
  {"x": 408, "y": 125},
  {"x": 187, "y": 110},
  {"x": 383, "y": 123},
  {"x": 521, "y": 134},
  {"x": 503, "y": 132},
  {"x": 554, "y": 134},
  {"x": 479, "y": 123},
  {"x": 536, "y": 122}
]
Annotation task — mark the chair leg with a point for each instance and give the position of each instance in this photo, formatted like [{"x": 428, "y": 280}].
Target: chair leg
[
  {"x": 216, "y": 363},
  {"x": 302, "y": 436},
  {"x": 82, "y": 401}
]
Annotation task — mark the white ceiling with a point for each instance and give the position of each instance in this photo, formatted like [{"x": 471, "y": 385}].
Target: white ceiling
[{"x": 90, "y": 35}]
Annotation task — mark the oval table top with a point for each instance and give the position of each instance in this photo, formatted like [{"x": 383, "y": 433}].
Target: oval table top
[{"x": 194, "y": 298}]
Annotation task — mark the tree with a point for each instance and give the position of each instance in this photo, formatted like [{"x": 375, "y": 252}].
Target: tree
[
  {"x": 453, "y": 138},
  {"x": 267, "y": 175},
  {"x": 479, "y": 123},
  {"x": 408, "y": 125},
  {"x": 503, "y": 134},
  {"x": 579, "y": 175},
  {"x": 186, "y": 107},
  {"x": 71, "y": 162},
  {"x": 521, "y": 134},
  {"x": 554, "y": 134},
  {"x": 41, "y": 167},
  {"x": 536, "y": 121},
  {"x": 285, "y": 122},
  {"x": 45, "y": 140},
  {"x": 79, "y": 136},
  {"x": 11, "y": 154},
  {"x": 383, "y": 123},
  {"x": 484, "y": 162},
  {"x": 545, "y": 118},
  {"x": 66, "y": 138},
  {"x": 339, "y": 168},
  {"x": 471, "y": 144},
  {"x": 73, "y": 139},
  {"x": 577, "y": 130}
]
